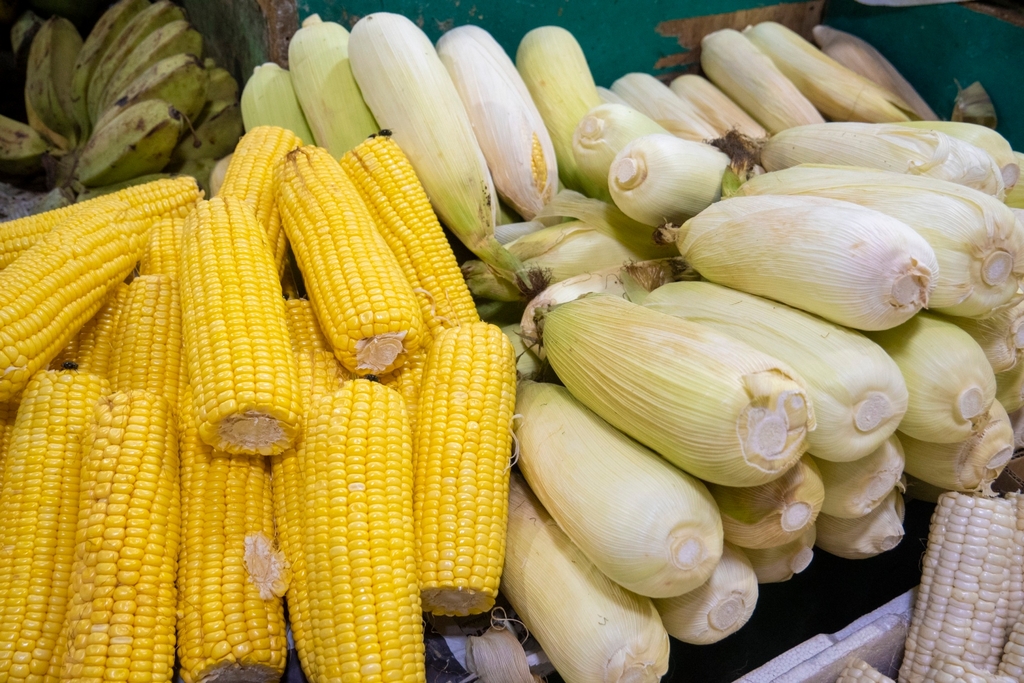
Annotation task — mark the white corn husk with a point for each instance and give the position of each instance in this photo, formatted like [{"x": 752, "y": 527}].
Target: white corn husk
[
  {"x": 981, "y": 137},
  {"x": 605, "y": 130},
  {"x": 771, "y": 514},
  {"x": 970, "y": 466},
  {"x": 978, "y": 243},
  {"x": 1015, "y": 195},
  {"x": 854, "y": 266},
  {"x": 608, "y": 97},
  {"x": 949, "y": 380},
  {"x": 318, "y": 57},
  {"x": 751, "y": 80},
  {"x": 778, "y": 564},
  {"x": 658, "y": 179},
  {"x": 715, "y": 107},
  {"x": 410, "y": 92},
  {"x": 857, "y": 391},
  {"x": 716, "y": 609},
  {"x": 556, "y": 73},
  {"x": 268, "y": 99},
  {"x": 837, "y": 92},
  {"x": 855, "y": 488},
  {"x": 509, "y": 232},
  {"x": 663, "y": 536},
  {"x": 861, "y": 57},
  {"x": 508, "y": 126},
  {"x": 590, "y": 628},
  {"x": 1000, "y": 336},
  {"x": 709, "y": 404},
  {"x": 1010, "y": 388},
  {"x": 888, "y": 147},
  {"x": 877, "y": 532},
  {"x": 647, "y": 94},
  {"x": 528, "y": 365}
]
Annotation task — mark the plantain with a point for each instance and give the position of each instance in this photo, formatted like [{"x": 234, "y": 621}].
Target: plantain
[
  {"x": 222, "y": 85},
  {"x": 48, "y": 78},
  {"x": 21, "y": 148},
  {"x": 137, "y": 141},
  {"x": 141, "y": 25},
  {"x": 213, "y": 136},
  {"x": 200, "y": 169},
  {"x": 170, "y": 39},
  {"x": 104, "y": 34},
  {"x": 179, "y": 80},
  {"x": 58, "y": 141},
  {"x": 22, "y": 33}
]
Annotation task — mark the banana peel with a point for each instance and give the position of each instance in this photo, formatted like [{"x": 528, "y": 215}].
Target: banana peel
[
  {"x": 222, "y": 86},
  {"x": 179, "y": 80},
  {"x": 201, "y": 170},
  {"x": 213, "y": 136},
  {"x": 51, "y": 60},
  {"x": 21, "y": 148},
  {"x": 136, "y": 142}
]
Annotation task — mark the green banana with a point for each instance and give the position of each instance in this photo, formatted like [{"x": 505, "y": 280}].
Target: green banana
[
  {"x": 137, "y": 141},
  {"x": 179, "y": 80},
  {"x": 48, "y": 79},
  {"x": 170, "y": 39},
  {"x": 22, "y": 33},
  {"x": 88, "y": 193},
  {"x": 99, "y": 40},
  {"x": 214, "y": 134},
  {"x": 57, "y": 198},
  {"x": 141, "y": 25},
  {"x": 200, "y": 169},
  {"x": 21, "y": 148},
  {"x": 222, "y": 85}
]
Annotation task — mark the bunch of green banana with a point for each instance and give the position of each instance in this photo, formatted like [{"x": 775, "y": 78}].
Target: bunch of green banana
[{"x": 134, "y": 99}]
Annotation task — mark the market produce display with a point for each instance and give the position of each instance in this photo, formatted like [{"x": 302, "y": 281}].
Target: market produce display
[{"x": 702, "y": 332}]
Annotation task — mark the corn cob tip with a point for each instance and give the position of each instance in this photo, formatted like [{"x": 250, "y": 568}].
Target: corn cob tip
[
  {"x": 253, "y": 431},
  {"x": 379, "y": 352},
  {"x": 456, "y": 600},
  {"x": 266, "y": 566}
]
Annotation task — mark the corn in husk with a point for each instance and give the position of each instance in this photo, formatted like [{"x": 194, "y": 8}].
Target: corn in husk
[
  {"x": 1015, "y": 196},
  {"x": 751, "y": 80},
  {"x": 837, "y": 92},
  {"x": 716, "y": 609},
  {"x": 608, "y": 97},
  {"x": 983, "y": 138},
  {"x": 888, "y": 147},
  {"x": 715, "y": 107},
  {"x": 711, "y": 405},
  {"x": 605, "y": 130},
  {"x": 978, "y": 243},
  {"x": 658, "y": 179},
  {"x": 555, "y": 71},
  {"x": 528, "y": 365},
  {"x": 590, "y": 628},
  {"x": 861, "y": 57},
  {"x": 858, "y": 394},
  {"x": 854, "y": 266},
  {"x": 1010, "y": 388},
  {"x": 778, "y": 564},
  {"x": 508, "y": 126},
  {"x": 949, "y": 380},
  {"x": 1000, "y": 335},
  {"x": 855, "y": 488},
  {"x": 662, "y": 538},
  {"x": 268, "y": 99},
  {"x": 859, "y": 538},
  {"x": 607, "y": 218},
  {"x": 859, "y": 671},
  {"x": 647, "y": 94}
]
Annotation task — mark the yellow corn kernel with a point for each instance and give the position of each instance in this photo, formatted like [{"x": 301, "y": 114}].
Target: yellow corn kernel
[
  {"x": 167, "y": 196},
  {"x": 250, "y": 176},
  {"x": 388, "y": 184},
  {"x": 365, "y": 306},
  {"x": 236, "y": 341},
  {"x": 230, "y": 578},
  {"x": 148, "y": 338},
  {"x": 92, "y": 348},
  {"x": 56, "y": 286},
  {"x": 359, "y": 538},
  {"x": 467, "y": 399},
  {"x": 8, "y": 411},
  {"x": 122, "y": 601},
  {"x": 40, "y": 502},
  {"x": 407, "y": 381},
  {"x": 162, "y": 255}
]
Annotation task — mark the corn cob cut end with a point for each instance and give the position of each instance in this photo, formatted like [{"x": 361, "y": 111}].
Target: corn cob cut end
[
  {"x": 775, "y": 423},
  {"x": 378, "y": 353},
  {"x": 266, "y": 566},
  {"x": 456, "y": 601},
  {"x": 234, "y": 672},
  {"x": 252, "y": 431}
]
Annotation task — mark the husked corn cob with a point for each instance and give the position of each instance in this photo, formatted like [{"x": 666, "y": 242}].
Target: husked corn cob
[
  {"x": 148, "y": 338},
  {"x": 859, "y": 671},
  {"x": 467, "y": 399},
  {"x": 950, "y": 669},
  {"x": 122, "y": 602},
  {"x": 236, "y": 340},
  {"x": 962, "y": 606},
  {"x": 91, "y": 349},
  {"x": 388, "y": 185},
  {"x": 230, "y": 577},
  {"x": 359, "y": 538},
  {"x": 40, "y": 501},
  {"x": 365, "y": 306},
  {"x": 1012, "y": 663},
  {"x": 407, "y": 381},
  {"x": 162, "y": 255},
  {"x": 8, "y": 411},
  {"x": 250, "y": 176},
  {"x": 56, "y": 286}
]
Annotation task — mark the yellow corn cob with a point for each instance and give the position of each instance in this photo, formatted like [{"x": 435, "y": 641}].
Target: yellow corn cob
[
  {"x": 149, "y": 339},
  {"x": 360, "y": 545},
  {"x": 8, "y": 411},
  {"x": 122, "y": 601},
  {"x": 162, "y": 255},
  {"x": 250, "y": 176},
  {"x": 230, "y": 578},
  {"x": 467, "y": 399},
  {"x": 365, "y": 306},
  {"x": 40, "y": 503},
  {"x": 91, "y": 349},
  {"x": 859, "y": 671},
  {"x": 947, "y": 668},
  {"x": 962, "y": 602},
  {"x": 236, "y": 341},
  {"x": 167, "y": 196},
  {"x": 319, "y": 374},
  {"x": 56, "y": 286},
  {"x": 407, "y": 381},
  {"x": 388, "y": 184}
]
